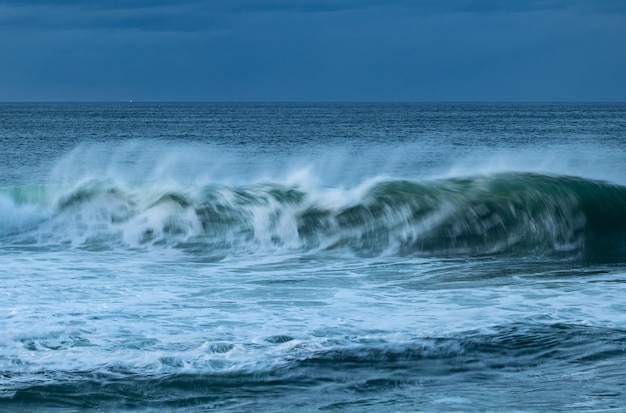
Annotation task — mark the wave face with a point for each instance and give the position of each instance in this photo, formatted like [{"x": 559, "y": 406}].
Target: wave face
[{"x": 522, "y": 214}]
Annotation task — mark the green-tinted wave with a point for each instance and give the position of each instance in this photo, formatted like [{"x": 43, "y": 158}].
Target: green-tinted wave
[{"x": 512, "y": 213}]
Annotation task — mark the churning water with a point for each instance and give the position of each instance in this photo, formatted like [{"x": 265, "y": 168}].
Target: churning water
[{"x": 304, "y": 257}]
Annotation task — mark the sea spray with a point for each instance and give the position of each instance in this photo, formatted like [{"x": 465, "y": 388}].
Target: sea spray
[{"x": 274, "y": 257}]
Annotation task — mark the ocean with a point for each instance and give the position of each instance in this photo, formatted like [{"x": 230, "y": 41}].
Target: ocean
[{"x": 383, "y": 257}]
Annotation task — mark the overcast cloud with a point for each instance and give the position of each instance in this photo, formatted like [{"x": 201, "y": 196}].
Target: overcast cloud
[{"x": 305, "y": 50}]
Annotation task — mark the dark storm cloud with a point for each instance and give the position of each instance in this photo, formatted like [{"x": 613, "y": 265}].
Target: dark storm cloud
[
  {"x": 151, "y": 15},
  {"x": 313, "y": 50},
  {"x": 197, "y": 14},
  {"x": 117, "y": 13}
]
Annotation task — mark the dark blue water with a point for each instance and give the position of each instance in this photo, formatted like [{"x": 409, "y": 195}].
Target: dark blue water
[{"x": 305, "y": 257}]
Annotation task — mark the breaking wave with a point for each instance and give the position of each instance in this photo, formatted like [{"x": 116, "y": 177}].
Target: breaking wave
[{"x": 523, "y": 214}]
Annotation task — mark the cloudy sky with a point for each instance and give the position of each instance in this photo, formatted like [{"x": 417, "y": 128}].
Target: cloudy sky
[{"x": 313, "y": 50}]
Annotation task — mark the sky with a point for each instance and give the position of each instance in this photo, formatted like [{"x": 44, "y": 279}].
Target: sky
[{"x": 313, "y": 50}]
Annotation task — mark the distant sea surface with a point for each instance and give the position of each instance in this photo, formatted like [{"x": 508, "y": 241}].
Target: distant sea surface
[{"x": 312, "y": 257}]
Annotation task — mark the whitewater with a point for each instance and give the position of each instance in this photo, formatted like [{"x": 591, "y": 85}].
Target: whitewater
[{"x": 312, "y": 257}]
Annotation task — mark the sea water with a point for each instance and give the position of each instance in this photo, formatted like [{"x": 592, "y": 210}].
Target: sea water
[{"x": 312, "y": 257}]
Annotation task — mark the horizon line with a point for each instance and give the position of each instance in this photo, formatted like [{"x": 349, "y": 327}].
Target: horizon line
[{"x": 133, "y": 101}]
